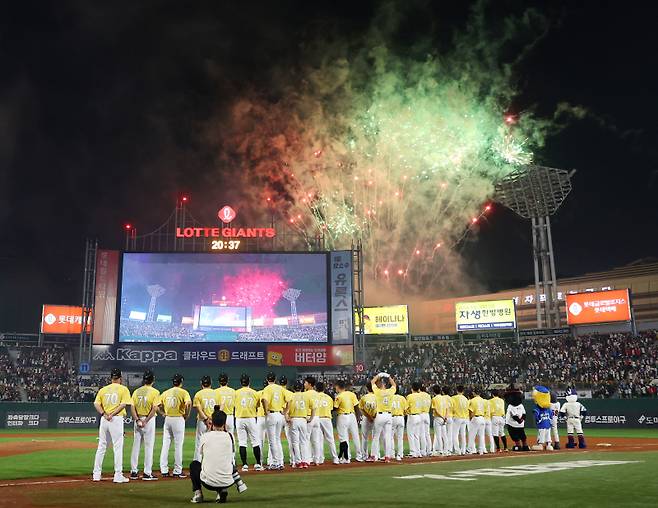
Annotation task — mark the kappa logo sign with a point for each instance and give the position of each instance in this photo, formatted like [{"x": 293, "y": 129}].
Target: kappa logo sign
[
  {"x": 138, "y": 355},
  {"x": 520, "y": 470}
]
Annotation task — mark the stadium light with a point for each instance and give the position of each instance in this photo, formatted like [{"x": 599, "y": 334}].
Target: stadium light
[
  {"x": 536, "y": 193},
  {"x": 291, "y": 295}
]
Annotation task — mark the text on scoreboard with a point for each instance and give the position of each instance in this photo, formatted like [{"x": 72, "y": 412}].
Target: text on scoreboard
[
  {"x": 391, "y": 319},
  {"x": 487, "y": 315}
]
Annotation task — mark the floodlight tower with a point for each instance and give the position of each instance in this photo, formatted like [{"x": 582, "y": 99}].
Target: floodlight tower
[
  {"x": 291, "y": 295},
  {"x": 535, "y": 193},
  {"x": 156, "y": 291}
]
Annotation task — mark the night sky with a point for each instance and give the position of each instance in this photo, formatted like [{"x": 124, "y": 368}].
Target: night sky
[{"x": 104, "y": 112}]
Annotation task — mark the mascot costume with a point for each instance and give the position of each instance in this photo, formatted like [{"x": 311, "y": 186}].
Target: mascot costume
[
  {"x": 574, "y": 412},
  {"x": 542, "y": 413}
]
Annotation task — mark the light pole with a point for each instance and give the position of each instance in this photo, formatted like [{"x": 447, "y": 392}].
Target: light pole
[{"x": 535, "y": 193}]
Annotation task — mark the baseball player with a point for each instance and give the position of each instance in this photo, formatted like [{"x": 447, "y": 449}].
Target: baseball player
[
  {"x": 296, "y": 413},
  {"x": 555, "y": 413},
  {"x": 313, "y": 423},
  {"x": 368, "y": 407},
  {"x": 488, "y": 425},
  {"x": 283, "y": 382},
  {"x": 110, "y": 402},
  {"x": 204, "y": 402},
  {"x": 326, "y": 428},
  {"x": 425, "y": 437},
  {"x": 574, "y": 411},
  {"x": 274, "y": 401},
  {"x": 261, "y": 425},
  {"x": 246, "y": 404},
  {"x": 225, "y": 398},
  {"x": 145, "y": 402},
  {"x": 398, "y": 410},
  {"x": 459, "y": 420},
  {"x": 347, "y": 409},
  {"x": 448, "y": 443},
  {"x": 176, "y": 405},
  {"x": 476, "y": 410},
  {"x": 440, "y": 413},
  {"x": 497, "y": 410},
  {"x": 383, "y": 421},
  {"x": 414, "y": 420}
]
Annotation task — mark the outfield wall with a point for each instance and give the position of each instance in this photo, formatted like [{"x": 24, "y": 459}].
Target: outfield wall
[{"x": 602, "y": 413}]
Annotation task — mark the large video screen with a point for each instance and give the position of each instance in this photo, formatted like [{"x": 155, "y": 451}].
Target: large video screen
[{"x": 241, "y": 297}]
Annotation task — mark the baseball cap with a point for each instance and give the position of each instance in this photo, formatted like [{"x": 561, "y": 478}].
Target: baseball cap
[
  {"x": 148, "y": 376},
  {"x": 206, "y": 381},
  {"x": 271, "y": 376},
  {"x": 223, "y": 378},
  {"x": 298, "y": 386},
  {"x": 283, "y": 380},
  {"x": 115, "y": 373},
  {"x": 244, "y": 379},
  {"x": 177, "y": 379}
]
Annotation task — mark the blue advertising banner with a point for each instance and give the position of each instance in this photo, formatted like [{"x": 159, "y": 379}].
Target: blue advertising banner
[
  {"x": 178, "y": 355},
  {"x": 342, "y": 313}
]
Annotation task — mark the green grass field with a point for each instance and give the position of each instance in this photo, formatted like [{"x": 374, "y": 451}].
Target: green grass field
[{"x": 628, "y": 484}]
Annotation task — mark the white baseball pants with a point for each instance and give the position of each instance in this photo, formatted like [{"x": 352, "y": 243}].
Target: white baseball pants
[
  {"x": 346, "y": 425},
  {"x": 174, "y": 428},
  {"x": 440, "y": 443},
  {"x": 459, "y": 435},
  {"x": 325, "y": 432},
  {"x": 144, "y": 434},
  {"x": 397, "y": 427},
  {"x": 246, "y": 428},
  {"x": 275, "y": 424},
  {"x": 230, "y": 424},
  {"x": 298, "y": 440},
  {"x": 382, "y": 426},
  {"x": 414, "y": 427},
  {"x": 574, "y": 425},
  {"x": 498, "y": 426},
  {"x": 554, "y": 431},
  {"x": 476, "y": 435},
  {"x": 201, "y": 429},
  {"x": 312, "y": 443},
  {"x": 543, "y": 436},
  {"x": 448, "y": 447},
  {"x": 488, "y": 435},
  {"x": 425, "y": 437},
  {"x": 286, "y": 429},
  {"x": 110, "y": 432},
  {"x": 366, "y": 436}
]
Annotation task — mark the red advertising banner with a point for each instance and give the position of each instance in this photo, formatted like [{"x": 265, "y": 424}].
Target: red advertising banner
[
  {"x": 61, "y": 319},
  {"x": 107, "y": 276},
  {"x": 598, "y": 307},
  {"x": 309, "y": 356}
]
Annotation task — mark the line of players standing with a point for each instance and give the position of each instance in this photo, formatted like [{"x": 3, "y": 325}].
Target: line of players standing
[{"x": 304, "y": 415}]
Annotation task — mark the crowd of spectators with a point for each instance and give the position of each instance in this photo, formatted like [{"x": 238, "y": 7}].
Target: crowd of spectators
[
  {"x": 610, "y": 365},
  {"x": 47, "y": 374},
  {"x": 301, "y": 333},
  {"x": 8, "y": 377},
  {"x": 169, "y": 332}
]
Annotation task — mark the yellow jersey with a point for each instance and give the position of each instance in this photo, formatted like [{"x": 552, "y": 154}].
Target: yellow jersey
[
  {"x": 275, "y": 395},
  {"x": 368, "y": 404},
  {"x": 247, "y": 401},
  {"x": 112, "y": 396},
  {"x": 440, "y": 406},
  {"x": 427, "y": 402},
  {"x": 497, "y": 406},
  {"x": 205, "y": 398},
  {"x": 477, "y": 405},
  {"x": 398, "y": 405},
  {"x": 225, "y": 398},
  {"x": 459, "y": 405},
  {"x": 416, "y": 403},
  {"x": 487, "y": 410},
  {"x": 448, "y": 403},
  {"x": 144, "y": 399},
  {"x": 259, "y": 410},
  {"x": 384, "y": 398},
  {"x": 313, "y": 401},
  {"x": 325, "y": 405},
  {"x": 345, "y": 402},
  {"x": 298, "y": 406},
  {"x": 174, "y": 401}
]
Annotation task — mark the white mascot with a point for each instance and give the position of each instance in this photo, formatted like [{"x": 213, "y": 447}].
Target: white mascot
[{"x": 574, "y": 412}]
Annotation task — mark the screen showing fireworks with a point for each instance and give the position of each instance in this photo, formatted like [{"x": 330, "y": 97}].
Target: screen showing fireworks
[{"x": 198, "y": 297}]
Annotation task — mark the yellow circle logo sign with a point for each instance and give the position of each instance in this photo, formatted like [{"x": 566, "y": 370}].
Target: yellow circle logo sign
[{"x": 224, "y": 355}]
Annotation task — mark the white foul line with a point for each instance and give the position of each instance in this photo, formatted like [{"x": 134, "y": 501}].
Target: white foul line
[{"x": 48, "y": 482}]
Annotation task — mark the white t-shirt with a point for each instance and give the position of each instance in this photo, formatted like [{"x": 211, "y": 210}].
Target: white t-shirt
[
  {"x": 515, "y": 411},
  {"x": 217, "y": 455},
  {"x": 555, "y": 410}
]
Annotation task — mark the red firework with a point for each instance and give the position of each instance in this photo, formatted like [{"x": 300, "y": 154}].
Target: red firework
[{"x": 256, "y": 288}]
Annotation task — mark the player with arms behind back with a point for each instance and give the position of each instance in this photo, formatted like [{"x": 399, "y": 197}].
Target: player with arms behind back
[
  {"x": 347, "y": 405},
  {"x": 111, "y": 402},
  {"x": 247, "y": 402},
  {"x": 176, "y": 405},
  {"x": 146, "y": 400},
  {"x": 225, "y": 398},
  {"x": 204, "y": 403},
  {"x": 383, "y": 421},
  {"x": 368, "y": 407},
  {"x": 398, "y": 410}
]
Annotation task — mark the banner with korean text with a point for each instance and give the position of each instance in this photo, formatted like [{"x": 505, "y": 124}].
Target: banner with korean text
[
  {"x": 309, "y": 356},
  {"x": 342, "y": 330},
  {"x": 598, "y": 307},
  {"x": 487, "y": 315}
]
